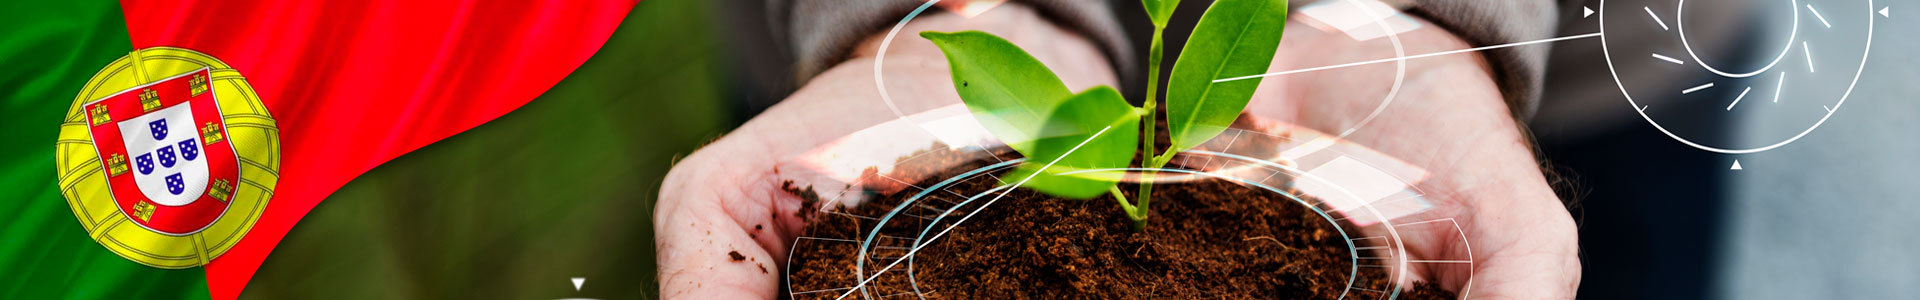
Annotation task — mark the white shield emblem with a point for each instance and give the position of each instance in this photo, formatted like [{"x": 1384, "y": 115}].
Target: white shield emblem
[{"x": 167, "y": 155}]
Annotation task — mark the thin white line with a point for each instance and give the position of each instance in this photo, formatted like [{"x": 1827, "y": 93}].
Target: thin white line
[
  {"x": 902, "y": 182},
  {"x": 1442, "y": 261},
  {"x": 1656, "y": 18},
  {"x": 1668, "y": 59},
  {"x": 996, "y": 157},
  {"x": 1269, "y": 177},
  {"x": 1736, "y": 99},
  {"x": 1816, "y": 15},
  {"x": 1427, "y": 221},
  {"x": 1236, "y": 138},
  {"x": 976, "y": 211},
  {"x": 1778, "y": 86},
  {"x": 1309, "y": 147},
  {"x": 942, "y": 200},
  {"x": 917, "y": 216},
  {"x": 828, "y": 239},
  {"x": 1829, "y": 110},
  {"x": 1697, "y": 88},
  {"x": 1803, "y": 47},
  {"x": 934, "y": 209},
  {"x": 1596, "y": 34},
  {"x": 817, "y": 291},
  {"x": 851, "y": 215}
]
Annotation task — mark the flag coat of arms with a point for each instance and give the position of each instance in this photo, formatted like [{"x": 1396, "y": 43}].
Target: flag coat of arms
[
  {"x": 167, "y": 157},
  {"x": 171, "y": 132}
]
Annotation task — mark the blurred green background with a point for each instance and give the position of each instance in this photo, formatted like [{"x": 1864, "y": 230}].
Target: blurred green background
[{"x": 562, "y": 187}]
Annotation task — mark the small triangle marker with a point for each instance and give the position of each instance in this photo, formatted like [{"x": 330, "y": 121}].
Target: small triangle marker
[
  {"x": 1736, "y": 165},
  {"x": 1588, "y": 12},
  {"x": 577, "y": 281},
  {"x": 1883, "y": 11}
]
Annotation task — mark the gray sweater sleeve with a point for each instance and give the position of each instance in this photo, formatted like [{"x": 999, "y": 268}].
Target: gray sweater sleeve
[
  {"x": 1519, "y": 70},
  {"x": 822, "y": 33}
]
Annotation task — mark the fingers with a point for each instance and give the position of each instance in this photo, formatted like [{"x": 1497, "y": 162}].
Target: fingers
[
  {"x": 703, "y": 256},
  {"x": 703, "y": 251}
]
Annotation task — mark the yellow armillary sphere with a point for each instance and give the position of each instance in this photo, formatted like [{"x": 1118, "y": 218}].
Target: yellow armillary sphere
[{"x": 167, "y": 157}]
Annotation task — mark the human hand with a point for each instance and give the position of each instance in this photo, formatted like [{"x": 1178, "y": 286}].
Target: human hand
[
  {"x": 1449, "y": 118},
  {"x": 725, "y": 199}
]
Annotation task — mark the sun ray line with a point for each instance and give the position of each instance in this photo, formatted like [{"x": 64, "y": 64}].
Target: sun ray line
[
  {"x": 1697, "y": 88},
  {"x": 1656, "y": 18},
  {"x": 1669, "y": 59},
  {"x": 1778, "y": 86},
  {"x": 1736, "y": 99},
  {"x": 1809, "y": 52},
  {"x": 1816, "y": 15}
]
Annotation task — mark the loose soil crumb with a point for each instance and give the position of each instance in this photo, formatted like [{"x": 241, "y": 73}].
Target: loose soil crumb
[
  {"x": 809, "y": 200},
  {"x": 736, "y": 255},
  {"x": 1206, "y": 239}
]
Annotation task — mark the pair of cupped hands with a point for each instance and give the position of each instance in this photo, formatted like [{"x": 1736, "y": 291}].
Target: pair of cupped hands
[{"x": 1447, "y": 117}]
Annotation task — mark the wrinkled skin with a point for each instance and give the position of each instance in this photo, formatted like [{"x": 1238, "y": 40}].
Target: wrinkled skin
[{"x": 1449, "y": 119}]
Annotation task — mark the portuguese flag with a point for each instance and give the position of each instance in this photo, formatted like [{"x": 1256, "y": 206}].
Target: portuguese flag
[{"x": 354, "y": 85}]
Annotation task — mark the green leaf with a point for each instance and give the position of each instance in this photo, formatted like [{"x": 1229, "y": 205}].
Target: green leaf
[
  {"x": 1008, "y": 91},
  {"x": 1234, "y": 38},
  {"x": 1098, "y": 110},
  {"x": 1160, "y": 11}
]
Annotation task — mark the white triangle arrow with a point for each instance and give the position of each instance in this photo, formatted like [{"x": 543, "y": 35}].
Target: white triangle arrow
[
  {"x": 1883, "y": 11},
  {"x": 577, "y": 281},
  {"x": 1588, "y": 12},
  {"x": 1736, "y": 165}
]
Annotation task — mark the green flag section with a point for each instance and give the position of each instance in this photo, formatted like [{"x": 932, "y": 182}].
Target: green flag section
[
  {"x": 51, "y": 48},
  {"x": 562, "y": 187}
]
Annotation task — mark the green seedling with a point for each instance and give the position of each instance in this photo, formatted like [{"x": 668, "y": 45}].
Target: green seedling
[{"x": 1063, "y": 133}]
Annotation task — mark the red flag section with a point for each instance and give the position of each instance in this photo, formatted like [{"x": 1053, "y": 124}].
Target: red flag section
[{"x": 356, "y": 83}]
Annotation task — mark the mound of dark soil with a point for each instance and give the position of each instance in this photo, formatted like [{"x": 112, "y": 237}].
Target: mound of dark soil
[{"x": 1206, "y": 239}]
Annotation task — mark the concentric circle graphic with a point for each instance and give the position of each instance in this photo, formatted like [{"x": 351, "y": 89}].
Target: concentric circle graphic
[
  {"x": 1680, "y": 24},
  {"x": 1643, "y": 36}
]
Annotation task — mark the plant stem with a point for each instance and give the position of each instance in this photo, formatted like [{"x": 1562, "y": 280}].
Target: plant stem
[
  {"x": 1149, "y": 138},
  {"x": 1122, "y": 198}
]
